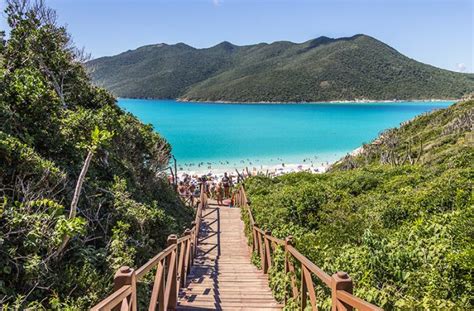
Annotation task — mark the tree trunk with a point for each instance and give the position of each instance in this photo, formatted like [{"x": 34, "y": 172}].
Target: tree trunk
[{"x": 75, "y": 198}]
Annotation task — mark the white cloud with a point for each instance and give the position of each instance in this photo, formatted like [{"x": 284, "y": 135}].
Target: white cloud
[
  {"x": 216, "y": 2},
  {"x": 461, "y": 67}
]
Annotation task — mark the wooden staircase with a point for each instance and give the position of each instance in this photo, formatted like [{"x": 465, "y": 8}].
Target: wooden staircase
[
  {"x": 222, "y": 276},
  {"x": 209, "y": 268}
]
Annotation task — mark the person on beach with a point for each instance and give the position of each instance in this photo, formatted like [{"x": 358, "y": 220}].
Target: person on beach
[
  {"x": 191, "y": 189},
  {"x": 182, "y": 189},
  {"x": 203, "y": 182},
  {"x": 208, "y": 186},
  {"x": 226, "y": 183},
  {"x": 219, "y": 194},
  {"x": 212, "y": 190},
  {"x": 196, "y": 194},
  {"x": 202, "y": 186}
]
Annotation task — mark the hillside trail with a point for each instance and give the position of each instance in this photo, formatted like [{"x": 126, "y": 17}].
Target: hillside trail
[{"x": 223, "y": 277}]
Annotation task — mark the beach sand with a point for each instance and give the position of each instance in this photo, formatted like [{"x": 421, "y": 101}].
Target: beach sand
[
  {"x": 312, "y": 164},
  {"x": 274, "y": 170},
  {"x": 245, "y": 169}
]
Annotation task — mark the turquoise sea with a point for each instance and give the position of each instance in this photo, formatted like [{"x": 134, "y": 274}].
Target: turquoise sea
[{"x": 239, "y": 135}]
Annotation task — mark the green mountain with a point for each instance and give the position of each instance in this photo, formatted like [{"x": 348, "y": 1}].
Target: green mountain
[
  {"x": 317, "y": 70},
  {"x": 398, "y": 217}
]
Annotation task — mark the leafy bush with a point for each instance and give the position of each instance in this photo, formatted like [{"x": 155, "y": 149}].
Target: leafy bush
[
  {"x": 404, "y": 232},
  {"x": 51, "y": 116}
]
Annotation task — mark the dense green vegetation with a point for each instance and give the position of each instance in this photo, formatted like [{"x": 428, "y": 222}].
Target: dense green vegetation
[
  {"x": 55, "y": 254},
  {"x": 398, "y": 217},
  {"x": 322, "y": 69}
]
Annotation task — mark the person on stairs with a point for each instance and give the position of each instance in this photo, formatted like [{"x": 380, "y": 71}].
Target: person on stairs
[
  {"x": 226, "y": 183},
  {"x": 219, "y": 194}
]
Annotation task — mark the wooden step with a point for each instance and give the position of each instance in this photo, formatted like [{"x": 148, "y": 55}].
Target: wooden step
[{"x": 222, "y": 277}]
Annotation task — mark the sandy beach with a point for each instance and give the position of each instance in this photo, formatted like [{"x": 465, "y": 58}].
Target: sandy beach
[
  {"x": 273, "y": 170},
  {"x": 246, "y": 167}
]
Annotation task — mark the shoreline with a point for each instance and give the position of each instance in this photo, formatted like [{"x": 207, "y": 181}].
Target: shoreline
[
  {"x": 355, "y": 101},
  {"x": 271, "y": 170},
  {"x": 253, "y": 167}
]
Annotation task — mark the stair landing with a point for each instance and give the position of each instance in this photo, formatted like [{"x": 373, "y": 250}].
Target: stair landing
[{"x": 223, "y": 278}]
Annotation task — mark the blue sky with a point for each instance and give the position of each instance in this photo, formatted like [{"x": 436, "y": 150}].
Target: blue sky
[{"x": 437, "y": 32}]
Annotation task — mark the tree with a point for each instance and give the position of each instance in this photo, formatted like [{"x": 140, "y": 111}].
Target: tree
[
  {"x": 99, "y": 137},
  {"x": 57, "y": 149}
]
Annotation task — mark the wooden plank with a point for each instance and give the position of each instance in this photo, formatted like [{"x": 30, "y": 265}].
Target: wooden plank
[
  {"x": 276, "y": 240},
  {"x": 323, "y": 276},
  {"x": 303, "y": 291},
  {"x": 153, "y": 262},
  {"x": 340, "y": 306},
  {"x": 268, "y": 252},
  {"x": 262, "y": 252},
  {"x": 158, "y": 287},
  {"x": 186, "y": 262},
  {"x": 170, "y": 286},
  {"x": 181, "y": 258},
  {"x": 113, "y": 300},
  {"x": 294, "y": 288},
  {"x": 355, "y": 302},
  {"x": 310, "y": 287},
  {"x": 183, "y": 239}
]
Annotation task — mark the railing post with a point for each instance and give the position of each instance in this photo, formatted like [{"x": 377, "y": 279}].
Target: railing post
[
  {"x": 254, "y": 233},
  {"x": 126, "y": 276},
  {"x": 254, "y": 240},
  {"x": 340, "y": 281},
  {"x": 268, "y": 254},
  {"x": 203, "y": 196},
  {"x": 193, "y": 240},
  {"x": 303, "y": 289},
  {"x": 182, "y": 248},
  {"x": 187, "y": 260},
  {"x": 172, "y": 269},
  {"x": 288, "y": 242},
  {"x": 261, "y": 248}
]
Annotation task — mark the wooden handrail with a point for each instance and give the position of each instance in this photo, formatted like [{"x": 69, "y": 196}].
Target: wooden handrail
[
  {"x": 115, "y": 299},
  {"x": 153, "y": 262},
  {"x": 340, "y": 283},
  {"x": 354, "y": 301},
  {"x": 172, "y": 266},
  {"x": 276, "y": 240},
  {"x": 323, "y": 276}
]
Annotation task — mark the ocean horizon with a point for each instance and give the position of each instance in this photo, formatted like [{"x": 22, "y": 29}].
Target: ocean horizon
[{"x": 226, "y": 136}]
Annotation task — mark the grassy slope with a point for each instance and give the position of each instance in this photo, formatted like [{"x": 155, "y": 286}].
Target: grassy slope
[
  {"x": 403, "y": 231},
  {"x": 319, "y": 69}
]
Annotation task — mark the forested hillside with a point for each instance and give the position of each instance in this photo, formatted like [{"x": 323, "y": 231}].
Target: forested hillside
[
  {"x": 398, "y": 218},
  {"x": 58, "y": 250},
  {"x": 323, "y": 69}
]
